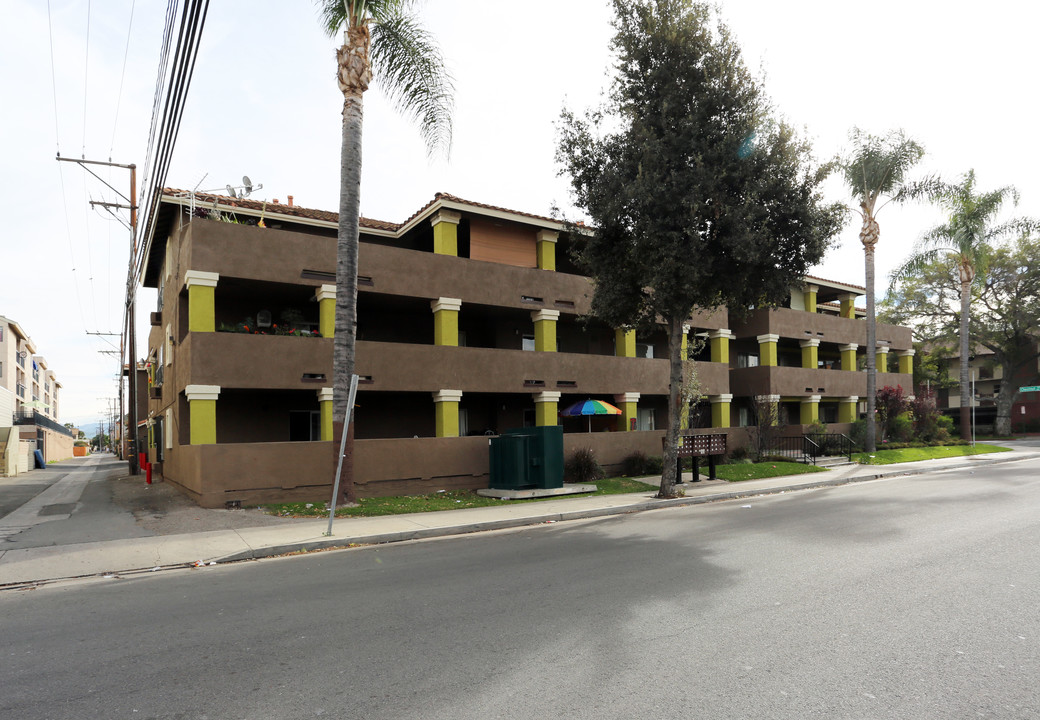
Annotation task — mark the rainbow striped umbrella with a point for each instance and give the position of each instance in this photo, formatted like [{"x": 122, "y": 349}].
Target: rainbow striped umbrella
[{"x": 590, "y": 408}]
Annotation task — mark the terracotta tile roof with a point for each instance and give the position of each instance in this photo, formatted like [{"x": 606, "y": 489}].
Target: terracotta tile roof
[
  {"x": 280, "y": 208},
  {"x": 835, "y": 282},
  {"x": 455, "y": 198}
]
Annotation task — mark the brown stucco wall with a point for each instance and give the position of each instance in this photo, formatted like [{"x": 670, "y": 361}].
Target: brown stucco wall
[
  {"x": 794, "y": 381},
  {"x": 794, "y": 324}
]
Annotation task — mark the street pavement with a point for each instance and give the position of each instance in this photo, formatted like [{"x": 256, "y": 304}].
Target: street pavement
[
  {"x": 84, "y": 519},
  {"x": 912, "y": 597}
]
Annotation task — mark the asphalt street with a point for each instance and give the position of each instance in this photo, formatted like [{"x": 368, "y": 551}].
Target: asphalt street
[{"x": 914, "y": 597}]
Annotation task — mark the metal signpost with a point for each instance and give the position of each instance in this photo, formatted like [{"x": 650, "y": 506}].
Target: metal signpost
[{"x": 342, "y": 447}]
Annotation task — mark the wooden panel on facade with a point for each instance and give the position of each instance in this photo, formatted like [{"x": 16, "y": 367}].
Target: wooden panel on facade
[{"x": 502, "y": 243}]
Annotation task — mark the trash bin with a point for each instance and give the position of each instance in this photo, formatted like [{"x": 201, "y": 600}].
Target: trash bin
[
  {"x": 527, "y": 458},
  {"x": 508, "y": 462}
]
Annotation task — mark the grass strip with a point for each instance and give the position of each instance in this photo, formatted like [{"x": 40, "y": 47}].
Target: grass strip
[
  {"x": 902, "y": 455},
  {"x": 738, "y": 472},
  {"x": 446, "y": 500}
]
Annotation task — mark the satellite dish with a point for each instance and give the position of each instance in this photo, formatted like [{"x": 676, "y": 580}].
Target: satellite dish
[
  {"x": 231, "y": 191},
  {"x": 247, "y": 183}
]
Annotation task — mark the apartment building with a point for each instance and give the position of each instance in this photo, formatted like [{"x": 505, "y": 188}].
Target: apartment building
[
  {"x": 471, "y": 321},
  {"x": 32, "y": 392},
  {"x": 987, "y": 377}
]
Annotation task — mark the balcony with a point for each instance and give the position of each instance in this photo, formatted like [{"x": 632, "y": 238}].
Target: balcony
[
  {"x": 235, "y": 360},
  {"x": 802, "y": 325},
  {"x": 803, "y": 382},
  {"x": 416, "y": 368}
]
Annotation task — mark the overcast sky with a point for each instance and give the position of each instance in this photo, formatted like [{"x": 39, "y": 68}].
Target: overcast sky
[{"x": 264, "y": 103}]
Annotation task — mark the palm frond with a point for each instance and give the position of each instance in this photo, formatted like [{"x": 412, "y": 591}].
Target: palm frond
[
  {"x": 408, "y": 63},
  {"x": 877, "y": 165},
  {"x": 916, "y": 263}
]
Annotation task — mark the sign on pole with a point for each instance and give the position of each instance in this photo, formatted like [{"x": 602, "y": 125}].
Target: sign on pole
[{"x": 1030, "y": 388}]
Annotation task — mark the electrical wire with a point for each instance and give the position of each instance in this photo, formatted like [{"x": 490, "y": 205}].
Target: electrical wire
[
  {"x": 86, "y": 78},
  {"x": 54, "y": 81},
  {"x": 122, "y": 76}
]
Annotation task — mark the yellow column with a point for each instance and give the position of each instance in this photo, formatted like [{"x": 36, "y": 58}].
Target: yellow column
[
  {"x": 201, "y": 304},
  {"x": 810, "y": 410},
  {"x": 446, "y": 232},
  {"x": 446, "y": 321},
  {"x": 774, "y": 408},
  {"x": 625, "y": 343},
  {"x": 848, "y": 306},
  {"x": 906, "y": 361},
  {"x": 848, "y": 356},
  {"x": 881, "y": 360},
  {"x": 326, "y": 297},
  {"x": 720, "y": 415},
  {"x": 719, "y": 342},
  {"x": 848, "y": 409},
  {"x": 809, "y": 297},
  {"x": 546, "y": 240},
  {"x": 767, "y": 349},
  {"x": 325, "y": 403},
  {"x": 628, "y": 404},
  {"x": 546, "y": 411},
  {"x": 202, "y": 413},
  {"x": 545, "y": 330},
  {"x": 446, "y": 405},
  {"x": 810, "y": 353}
]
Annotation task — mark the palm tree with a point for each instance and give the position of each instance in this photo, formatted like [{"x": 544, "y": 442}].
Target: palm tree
[
  {"x": 875, "y": 169},
  {"x": 967, "y": 237},
  {"x": 380, "y": 38}
]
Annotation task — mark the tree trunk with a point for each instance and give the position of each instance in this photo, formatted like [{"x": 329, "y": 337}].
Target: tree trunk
[
  {"x": 1005, "y": 400},
  {"x": 353, "y": 75},
  {"x": 870, "y": 438},
  {"x": 965, "y": 361},
  {"x": 671, "y": 438}
]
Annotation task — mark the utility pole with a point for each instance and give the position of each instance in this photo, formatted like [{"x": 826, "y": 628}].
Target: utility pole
[{"x": 131, "y": 293}]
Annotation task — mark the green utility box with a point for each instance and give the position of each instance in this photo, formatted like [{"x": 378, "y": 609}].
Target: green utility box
[{"x": 527, "y": 458}]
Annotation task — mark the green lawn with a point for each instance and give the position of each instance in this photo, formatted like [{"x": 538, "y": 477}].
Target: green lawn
[
  {"x": 738, "y": 472},
  {"x": 447, "y": 500},
  {"x": 888, "y": 457}
]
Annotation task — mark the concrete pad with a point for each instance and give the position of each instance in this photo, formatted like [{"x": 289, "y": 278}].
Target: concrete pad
[{"x": 535, "y": 492}]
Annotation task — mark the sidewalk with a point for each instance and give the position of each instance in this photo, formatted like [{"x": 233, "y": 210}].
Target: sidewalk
[{"x": 30, "y": 566}]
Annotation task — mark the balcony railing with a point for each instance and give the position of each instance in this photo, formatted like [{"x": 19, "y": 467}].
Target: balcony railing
[{"x": 34, "y": 417}]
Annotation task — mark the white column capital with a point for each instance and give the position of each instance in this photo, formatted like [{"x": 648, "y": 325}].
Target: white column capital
[
  {"x": 538, "y": 315},
  {"x": 446, "y": 216},
  {"x": 548, "y": 396},
  {"x": 771, "y": 398},
  {"x": 768, "y": 338},
  {"x": 629, "y": 397},
  {"x": 853, "y": 347},
  {"x": 809, "y": 343},
  {"x": 811, "y": 399},
  {"x": 202, "y": 392},
  {"x": 325, "y": 292},
  {"x": 445, "y": 303},
  {"x": 714, "y": 334},
  {"x": 906, "y": 353},
  {"x": 724, "y": 398},
  {"x": 325, "y": 395},
  {"x": 201, "y": 278},
  {"x": 547, "y": 236},
  {"x": 850, "y": 399},
  {"x": 883, "y": 349},
  {"x": 447, "y": 396},
  {"x": 809, "y": 287}
]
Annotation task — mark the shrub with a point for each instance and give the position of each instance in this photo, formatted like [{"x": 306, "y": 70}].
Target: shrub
[
  {"x": 581, "y": 467},
  {"x": 738, "y": 453},
  {"x": 901, "y": 428},
  {"x": 858, "y": 432},
  {"x": 637, "y": 464}
]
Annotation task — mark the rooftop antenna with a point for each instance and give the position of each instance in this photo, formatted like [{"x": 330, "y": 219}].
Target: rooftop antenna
[{"x": 231, "y": 192}]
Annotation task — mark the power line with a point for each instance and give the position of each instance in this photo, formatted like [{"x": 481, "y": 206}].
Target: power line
[
  {"x": 122, "y": 76},
  {"x": 86, "y": 78},
  {"x": 54, "y": 82}
]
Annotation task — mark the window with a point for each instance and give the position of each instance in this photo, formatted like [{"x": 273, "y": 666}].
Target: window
[
  {"x": 528, "y": 345},
  {"x": 645, "y": 419},
  {"x": 529, "y": 418},
  {"x": 644, "y": 350},
  {"x": 746, "y": 360},
  {"x": 463, "y": 422},
  {"x": 304, "y": 426},
  {"x": 1, "y": 369}
]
